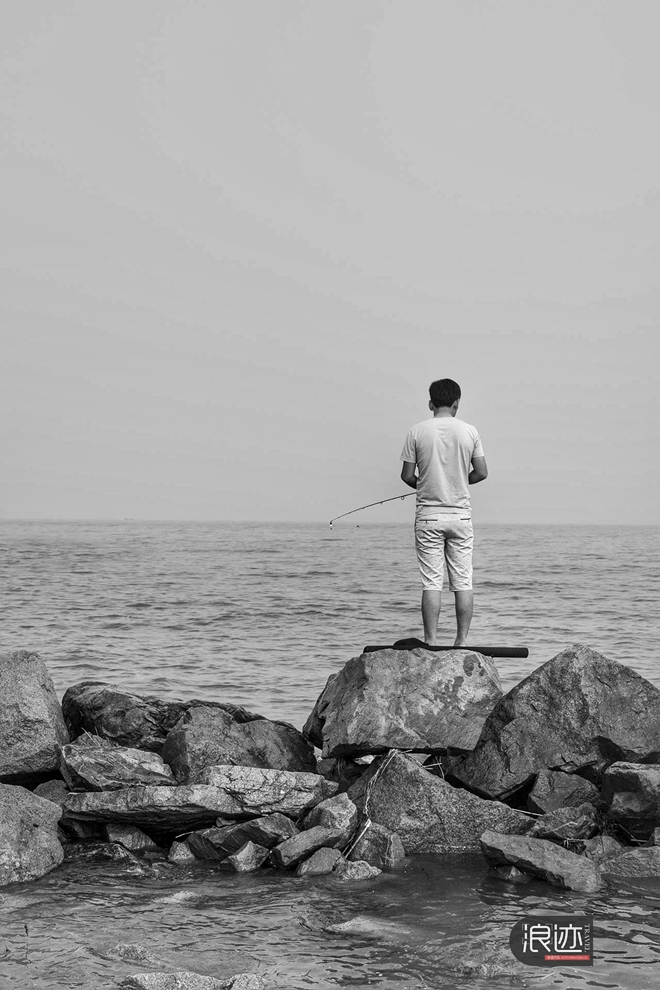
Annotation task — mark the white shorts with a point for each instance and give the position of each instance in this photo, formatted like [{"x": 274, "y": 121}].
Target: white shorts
[{"x": 445, "y": 536}]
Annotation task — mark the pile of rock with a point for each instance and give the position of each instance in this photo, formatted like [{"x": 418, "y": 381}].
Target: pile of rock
[{"x": 421, "y": 752}]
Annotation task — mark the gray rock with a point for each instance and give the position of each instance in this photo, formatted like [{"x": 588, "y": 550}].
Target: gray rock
[
  {"x": 554, "y": 789},
  {"x": 654, "y": 838},
  {"x": 249, "y": 857},
  {"x": 322, "y": 861},
  {"x": 602, "y": 847},
  {"x": 578, "y": 712},
  {"x": 173, "y": 981},
  {"x": 292, "y": 850},
  {"x": 355, "y": 870},
  {"x": 643, "y": 862},
  {"x": 218, "y": 843},
  {"x": 128, "y": 719},
  {"x": 206, "y": 737},
  {"x": 29, "y": 846},
  {"x": 378, "y": 846},
  {"x": 52, "y": 790},
  {"x": 32, "y": 728},
  {"x": 566, "y": 824},
  {"x": 337, "y": 812},
  {"x": 511, "y": 874},
  {"x": 180, "y": 852},
  {"x": 428, "y": 814},
  {"x": 255, "y": 791},
  {"x": 631, "y": 797},
  {"x": 441, "y": 700},
  {"x": 130, "y": 837},
  {"x": 92, "y": 763},
  {"x": 93, "y": 852},
  {"x": 542, "y": 859},
  {"x": 134, "y": 952}
]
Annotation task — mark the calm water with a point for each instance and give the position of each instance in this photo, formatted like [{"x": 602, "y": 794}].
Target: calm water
[{"x": 260, "y": 615}]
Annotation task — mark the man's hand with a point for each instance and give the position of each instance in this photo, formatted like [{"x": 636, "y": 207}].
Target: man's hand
[
  {"x": 479, "y": 471},
  {"x": 408, "y": 475}
]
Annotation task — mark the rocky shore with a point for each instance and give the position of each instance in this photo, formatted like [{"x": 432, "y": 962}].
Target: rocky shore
[{"x": 404, "y": 752}]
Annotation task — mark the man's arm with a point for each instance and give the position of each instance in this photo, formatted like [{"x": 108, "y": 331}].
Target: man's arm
[
  {"x": 479, "y": 471},
  {"x": 408, "y": 474}
]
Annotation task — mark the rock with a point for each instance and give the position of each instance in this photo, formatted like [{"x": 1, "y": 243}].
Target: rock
[
  {"x": 322, "y": 861},
  {"x": 355, "y": 870},
  {"x": 99, "y": 852},
  {"x": 631, "y": 797},
  {"x": 643, "y": 862},
  {"x": 566, "y": 824},
  {"x": 337, "y": 812},
  {"x": 180, "y": 852},
  {"x": 440, "y": 700},
  {"x": 292, "y": 850},
  {"x": 482, "y": 961},
  {"x": 510, "y": 873},
  {"x": 602, "y": 847},
  {"x": 173, "y": 981},
  {"x": 134, "y": 952},
  {"x": 133, "y": 720},
  {"x": 246, "y": 792},
  {"x": 206, "y": 737},
  {"x": 249, "y": 857},
  {"x": 554, "y": 789},
  {"x": 95, "y": 764},
  {"x": 29, "y": 846},
  {"x": 32, "y": 728},
  {"x": 654, "y": 838},
  {"x": 378, "y": 847},
  {"x": 578, "y": 712},
  {"x": 218, "y": 843},
  {"x": 52, "y": 790},
  {"x": 542, "y": 859},
  {"x": 428, "y": 814},
  {"x": 130, "y": 837},
  {"x": 342, "y": 770}
]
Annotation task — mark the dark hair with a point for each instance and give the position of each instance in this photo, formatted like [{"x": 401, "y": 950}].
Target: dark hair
[{"x": 444, "y": 392}]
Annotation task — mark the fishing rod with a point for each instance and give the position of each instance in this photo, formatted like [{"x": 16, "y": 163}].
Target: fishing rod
[{"x": 361, "y": 507}]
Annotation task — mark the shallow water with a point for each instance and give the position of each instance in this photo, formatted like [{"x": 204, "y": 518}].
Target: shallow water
[{"x": 260, "y": 616}]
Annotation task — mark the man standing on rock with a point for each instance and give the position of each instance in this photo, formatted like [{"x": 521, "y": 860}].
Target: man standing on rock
[{"x": 441, "y": 457}]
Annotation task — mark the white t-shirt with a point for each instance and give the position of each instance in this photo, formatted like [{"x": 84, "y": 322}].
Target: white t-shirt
[{"x": 442, "y": 448}]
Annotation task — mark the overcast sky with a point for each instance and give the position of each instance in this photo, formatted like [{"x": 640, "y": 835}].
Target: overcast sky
[{"x": 241, "y": 238}]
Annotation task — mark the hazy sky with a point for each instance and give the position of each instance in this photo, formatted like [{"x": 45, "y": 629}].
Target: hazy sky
[{"x": 241, "y": 238}]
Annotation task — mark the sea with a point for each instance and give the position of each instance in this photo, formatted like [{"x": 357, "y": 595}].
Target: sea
[{"x": 261, "y": 614}]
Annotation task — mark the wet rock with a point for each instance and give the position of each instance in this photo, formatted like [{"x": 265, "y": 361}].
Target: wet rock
[
  {"x": 428, "y": 814},
  {"x": 542, "y": 859},
  {"x": 206, "y": 737},
  {"x": 631, "y": 797},
  {"x": 29, "y": 846},
  {"x": 132, "y": 720},
  {"x": 442, "y": 700},
  {"x": 180, "y": 853},
  {"x": 554, "y": 789},
  {"x": 342, "y": 770},
  {"x": 337, "y": 812},
  {"x": 643, "y": 862},
  {"x": 355, "y": 870},
  {"x": 249, "y": 857},
  {"x": 578, "y": 712},
  {"x": 237, "y": 792},
  {"x": 134, "y": 952},
  {"x": 322, "y": 861},
  {"x": 292, "y": 850},
  {"x": 173, "y": 981},
  {"x": 487, "y": 961},
  {"x": 32, "y": 728},
  {"x": 378, "y": 846},
  {"x": 385, "y": 932},
  {"x": 95, "y": 764},
  {"x": 510, "y": 873},
  {"x": 220, "y": 842},
  {"x": 602, "y": 847},
  {"x": 566, "y": 824},
  {"x": 130, "y": 837},
  {"x": 95, "y": 852}
]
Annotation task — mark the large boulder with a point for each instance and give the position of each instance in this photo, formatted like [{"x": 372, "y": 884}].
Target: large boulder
[
  {"x": 95, "y": 764},
  {"x": 631, "y": 797},
  {"x": 404, "y": 699},
  {"x": 32, "y": 728},
  {"x": 29, "y": 846},
  {"x": 543, "y": 859},
  {"x": 206, "y": 737},
  {"x": 580, "y": 711},
  {"x": 644, "y": 862},
  {"x": 140, "y": 721},
  {"x": 428, "y": 814}
]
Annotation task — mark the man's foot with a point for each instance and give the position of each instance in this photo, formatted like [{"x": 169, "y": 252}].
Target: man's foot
[{"x": 460, "y": 645}]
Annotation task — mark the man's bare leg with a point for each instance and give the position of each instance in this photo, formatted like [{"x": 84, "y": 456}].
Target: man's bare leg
[
  {"x": 463, "y": 602},
  {"x": 430, "y": 615}
]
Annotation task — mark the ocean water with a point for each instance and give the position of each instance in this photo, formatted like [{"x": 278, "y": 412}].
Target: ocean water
[{"x": 261, "y": 615}]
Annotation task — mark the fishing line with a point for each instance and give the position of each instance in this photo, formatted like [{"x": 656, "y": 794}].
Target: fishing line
[{"x": 361, "y": 507}]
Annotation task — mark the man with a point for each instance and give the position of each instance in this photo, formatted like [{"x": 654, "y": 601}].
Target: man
[{"x": 448, "y": 456}]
